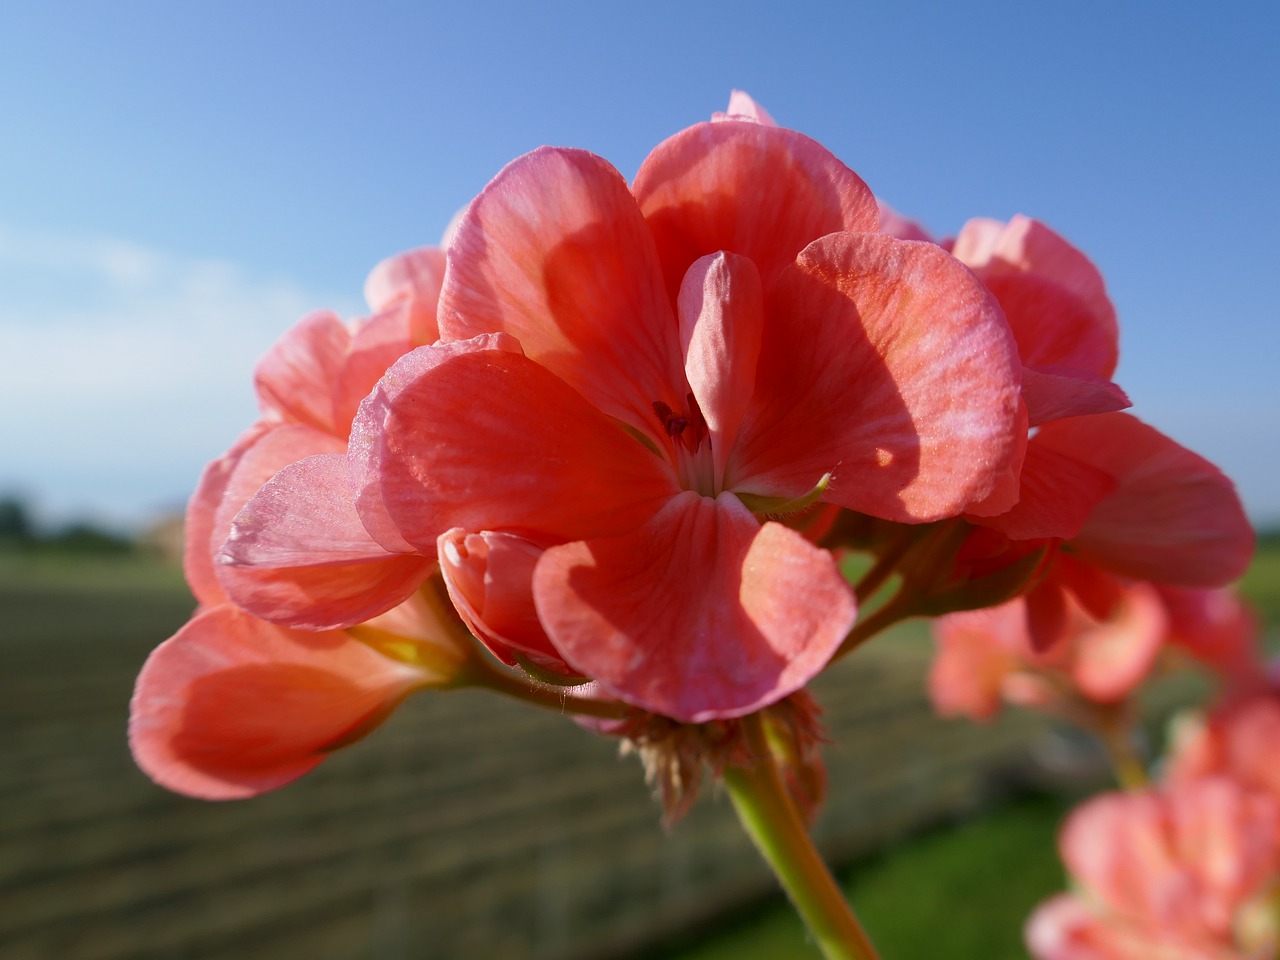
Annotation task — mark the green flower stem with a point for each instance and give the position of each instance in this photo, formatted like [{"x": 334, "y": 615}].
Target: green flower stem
[
  {"x": 560, "y": 699},
  {"x": 1116, "y": 735},
  {"x": 895, "y": 610},
  {"x": 770, "y": 817}
]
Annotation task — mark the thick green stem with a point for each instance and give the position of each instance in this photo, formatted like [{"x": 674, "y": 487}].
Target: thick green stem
[
  {"x": 770, "y": 817},
  {"x": 545, "y": 695},
  {"x": 892, "y": 612},
  {"x": 1116, "y": 735}
]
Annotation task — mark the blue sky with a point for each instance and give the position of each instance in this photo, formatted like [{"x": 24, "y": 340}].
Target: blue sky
[{"x": 180, "y": 182}]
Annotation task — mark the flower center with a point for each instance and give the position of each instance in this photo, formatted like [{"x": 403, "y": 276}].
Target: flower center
[{"x": 691, "y": 445}]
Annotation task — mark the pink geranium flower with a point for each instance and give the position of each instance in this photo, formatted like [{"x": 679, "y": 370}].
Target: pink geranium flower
[
  {"x": 988, "y": 656},
  {"x": 1107, "y": 496},
  {"x": 1239, "y": 738},
  {"x": 1176, "y": 874},
  {"x": 233, "y": 704},
  {"x": 631, "y": 381}
]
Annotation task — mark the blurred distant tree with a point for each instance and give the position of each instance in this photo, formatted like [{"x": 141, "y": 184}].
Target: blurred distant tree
[
  {"x": 18, "y": 530},
  {"x": 16, "y": 526},
  {"x": 83, "y": 537}
]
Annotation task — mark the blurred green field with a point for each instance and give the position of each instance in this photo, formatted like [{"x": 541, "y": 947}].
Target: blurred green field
[{"x": 79, "y": 824}]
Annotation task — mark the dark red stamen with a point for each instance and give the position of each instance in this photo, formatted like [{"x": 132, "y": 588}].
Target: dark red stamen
[{"x": 690, "y": 429}]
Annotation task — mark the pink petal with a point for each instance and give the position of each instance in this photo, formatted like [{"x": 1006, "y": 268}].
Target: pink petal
[
  {"x": 297, "y": 554},
  {"x": 271, "y": 453},
  {"x": 365, "y": 444},
  {"x": 768, "y": 611},
  {"x": 201, "y": 536},
  {"x": 412, "y": 275},
  {"x": 1047, "y": 623},
  {"x": 1053, "y": 327},
  {"x": 721, "y": 312},
  {"x": 894, "y": 224},
  {"x": 465, "y": 435},
  {"x": 1057, "y": 494},
  {"x": 1028, "y": 246},
  {"x": 974, "y": 657},
  {"x": 1054, "y": 393},
  {"x": 377, "y": 342},
  {"x": 1241, "y": 741},
  {"x": 759, "y": 191},
  {"x": 976, "y": 244},
  {"x": 1173, "y": 517},
  {"x": 555, "y": 252},
  {"x": 743, "y": 107},
  {"x": 1117, "y": 846},
  {"x": 1218, "y": 629},
  {"x": 490, "y": 579},
  {"x": 1227, "y": 837},
  {"x": 232, "y": 706},
  {"x": 1113, "y": 657},
  {"x": 295, "y": 378},
  {"x": 1006, "y": 488},
  {"x": 885, "y": 363},
  {"x": 1063, "y": 928}
]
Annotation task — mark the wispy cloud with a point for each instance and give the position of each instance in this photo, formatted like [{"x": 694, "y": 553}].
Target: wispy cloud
[{"x": 123, "y": 369}]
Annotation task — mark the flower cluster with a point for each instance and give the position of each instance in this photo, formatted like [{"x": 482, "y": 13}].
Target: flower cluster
[
  {"x": 617, "y": 439},
  {"x": 1187, "y": 867}
]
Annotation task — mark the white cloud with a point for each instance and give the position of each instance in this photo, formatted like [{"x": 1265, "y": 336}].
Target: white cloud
[{"x": 123, "y": 369}]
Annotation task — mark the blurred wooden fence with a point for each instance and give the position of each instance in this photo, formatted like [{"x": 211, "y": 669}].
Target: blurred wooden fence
[{"x": 467, "y": 827}]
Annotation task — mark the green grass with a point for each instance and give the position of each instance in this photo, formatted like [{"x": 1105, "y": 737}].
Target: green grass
[
  {"x": 962, "y": 893},
  {"x": 44, "y": 570},
  {"x": 1261, "y": 584}
]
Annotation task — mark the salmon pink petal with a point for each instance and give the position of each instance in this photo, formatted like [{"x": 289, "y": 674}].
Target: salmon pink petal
[
  {"x": 972, "y": 662},
  {"x": 297, "y": 554},
  {"x": 231, "y": 706},
  {"x": 1058, "y": 493},
  {"x": 1054, "y": 393},
  {"x": 376, "y": 343},
  {"x": 227, "y": 485},
  {"x": 1227, "y": 837},
  {"x": 721, "y": 310},
  {"x": 273, "y": 451},
  {"x": 1053, "y": 327},
  {"x": 759, "y": 191},
  {"x": 555, "y": 252},
  {"x": 1063, "y": 928},
  {"x": 1047, "y": 621},
  {"x": 1114, "y": 656},
  {"x": 885, "y": 363},
  {"x": 1241, "y": 740},
  {"x": 365, "y": 442},
  {"x": 464, "y": 435},
  {"x": 1098, "y": 591},
  {"x": 768, "y": 611},
  {"x": 1006, "y": 488},
  {"x": 490, "y": 579},
  {"x": 975, "y": 245},
  {"x": 1117, "y": 845},
  {"x": 200, "y": 543},
  {"x": 1218, "y": 629},
  {"x": 894, "y": 224},
  {"x": 743, "y": 107},
  {"x": 1173, "y": 517},
  {"x": 412, "y": 275},
  {"x": 1028, "y": 246},
  {"x": 295, "y": 378}
]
